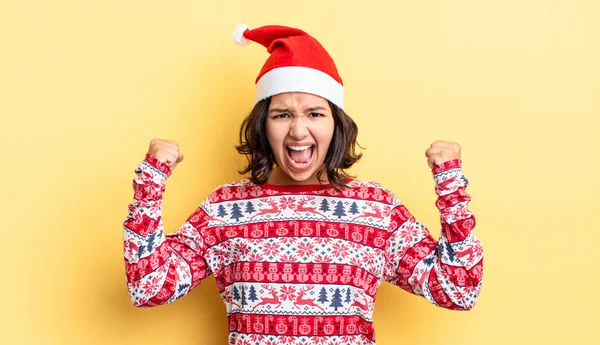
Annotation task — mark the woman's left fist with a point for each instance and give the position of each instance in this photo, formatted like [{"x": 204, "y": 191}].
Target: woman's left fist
[{"x": 442, "y": 151}]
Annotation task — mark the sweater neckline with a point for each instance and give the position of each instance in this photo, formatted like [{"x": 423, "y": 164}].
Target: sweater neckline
[{"x": 295, "y": 188}]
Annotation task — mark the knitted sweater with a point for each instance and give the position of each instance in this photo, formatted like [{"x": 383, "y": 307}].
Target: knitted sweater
[{"x": 301, "y": 264}]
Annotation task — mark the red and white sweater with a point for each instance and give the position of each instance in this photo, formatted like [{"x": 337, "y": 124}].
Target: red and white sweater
[{"x": 301, "y": 264}]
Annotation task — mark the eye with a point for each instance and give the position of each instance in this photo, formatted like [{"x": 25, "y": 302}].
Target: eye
[
  {"x": 280, "y": 116},
  {"x": 316, "y": 114}
]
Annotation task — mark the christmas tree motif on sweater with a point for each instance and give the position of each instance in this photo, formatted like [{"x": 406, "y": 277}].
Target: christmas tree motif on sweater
[
  {"x": 150, "y": 245},
  {"x": 348, "y": 297},
  {"x": 323, "y": 296},
  {"x": 336, "y": 299},
  {"x": 249, "y": 208},
  {"x": 236, "y": 293},
  {"x": 354, "y": 208},
  {"x": 324, "y": 206},
  {"x": 252, "y": 294},
  {"x": 449, "y": 251},
  {"x": 236, "y": 212},
  {"x": 182, "y": 288},
  {"x": 222, "y": 212},
  {"x": 243, "y": 296},
  {"x": 339, "y": 210}
]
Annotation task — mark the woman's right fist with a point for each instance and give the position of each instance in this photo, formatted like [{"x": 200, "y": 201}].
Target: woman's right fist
[{"x": 166, "y": 151}]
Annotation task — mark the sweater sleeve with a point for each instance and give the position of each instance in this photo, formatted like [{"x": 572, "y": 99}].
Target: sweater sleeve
[
  {"x": 160, "y": 268},
  {"x": 447, "y": 272}
]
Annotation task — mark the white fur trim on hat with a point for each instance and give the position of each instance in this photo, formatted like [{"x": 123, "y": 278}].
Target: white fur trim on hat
[
  {"x": 238, "y": 35},
  {"x": 299, "y": 79}
]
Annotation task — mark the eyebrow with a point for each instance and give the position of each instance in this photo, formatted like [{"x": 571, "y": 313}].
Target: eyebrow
[{"x": 286, "y": 110}]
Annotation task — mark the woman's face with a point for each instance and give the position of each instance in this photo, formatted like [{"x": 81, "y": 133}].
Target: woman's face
[{"x": 299, "y": 129}]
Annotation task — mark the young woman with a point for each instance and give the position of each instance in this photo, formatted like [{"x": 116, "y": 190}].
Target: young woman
[{"x": 298, "y": 250}]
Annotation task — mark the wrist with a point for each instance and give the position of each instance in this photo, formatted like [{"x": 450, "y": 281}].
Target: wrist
[
  {"x": 162, "y": 167},
  {"x": 451, "y": 164}
]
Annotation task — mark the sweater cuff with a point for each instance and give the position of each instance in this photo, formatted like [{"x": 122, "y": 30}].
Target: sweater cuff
[
  {"x": 151, "y": 169},
  {"x": 449, "y": 177},
  {"x": 451, "y": 164},
  {"x": 158, "y": 164}
]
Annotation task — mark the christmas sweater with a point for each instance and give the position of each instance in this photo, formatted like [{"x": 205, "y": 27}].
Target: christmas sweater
[{"x": 301, "y": 264}]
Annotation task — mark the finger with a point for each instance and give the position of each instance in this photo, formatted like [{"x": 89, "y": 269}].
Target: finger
[
  {"x": 441, "y": 143},
  {"x": 169, "y": 155},
  {"x": 438, "y": 158},
  {"x": 171, "y": 145},
  {"x": 430, "y": 163},
  {"x": 454, "y": 147},
  {"x": 174, "y": 159},
  {"x": 173, "y": 142},
  {"x": 172, "y": 165},
  {"x": 446, "y": 146},
  {"x": 433, "y": 161},
  {"x": 433, "y": 150}
]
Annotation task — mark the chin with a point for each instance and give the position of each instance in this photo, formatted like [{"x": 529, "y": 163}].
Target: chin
[
  {"x": 289, "y": 176},
  {"x": 301, "y": 178}
]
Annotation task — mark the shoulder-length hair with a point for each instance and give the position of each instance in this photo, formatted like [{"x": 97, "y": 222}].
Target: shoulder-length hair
[{"x": 254, "y": 145}]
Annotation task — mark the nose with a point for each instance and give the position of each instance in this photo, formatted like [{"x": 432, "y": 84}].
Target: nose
[{"x": 298, "y": 128}]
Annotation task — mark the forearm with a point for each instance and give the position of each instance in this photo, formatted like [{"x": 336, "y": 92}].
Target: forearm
[
  {"x": 455, "y": 281},
  {"x": 156, "y": 268},
  {"x": 447, "y": 272}
]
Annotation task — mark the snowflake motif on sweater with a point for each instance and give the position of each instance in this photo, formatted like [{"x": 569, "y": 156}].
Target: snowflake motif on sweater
[{"x": 301, "y": 264}]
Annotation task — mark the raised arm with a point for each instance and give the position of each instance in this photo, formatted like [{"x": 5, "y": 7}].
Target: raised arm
[
  {"x": 160, "y": 268},
  {"x": 448, "y": 272}
]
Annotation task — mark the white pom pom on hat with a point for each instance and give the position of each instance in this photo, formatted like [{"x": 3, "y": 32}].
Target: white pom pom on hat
[
  {"x": 238, "y": 35},
  {"x": 298, "y": 63}
]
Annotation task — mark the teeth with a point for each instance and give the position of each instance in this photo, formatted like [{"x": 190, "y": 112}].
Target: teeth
[{"x": 299, "y": 148}]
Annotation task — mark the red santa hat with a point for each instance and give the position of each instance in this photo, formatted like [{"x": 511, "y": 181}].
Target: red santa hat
[{"x": 298, "y": 63}]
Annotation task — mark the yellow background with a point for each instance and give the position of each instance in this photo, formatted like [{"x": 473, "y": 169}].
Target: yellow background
[{"x": 85, "y": 86}]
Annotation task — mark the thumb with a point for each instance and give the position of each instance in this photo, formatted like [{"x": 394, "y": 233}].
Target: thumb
[{"x": 180, "y": 158}]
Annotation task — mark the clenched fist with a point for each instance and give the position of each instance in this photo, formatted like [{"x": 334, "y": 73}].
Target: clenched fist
[
  {"x": 166, "y": 151},
  {"x": 442, "y": 151}
]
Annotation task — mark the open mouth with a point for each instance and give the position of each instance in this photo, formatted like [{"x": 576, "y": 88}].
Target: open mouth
[{"x": 300, "y": 156}]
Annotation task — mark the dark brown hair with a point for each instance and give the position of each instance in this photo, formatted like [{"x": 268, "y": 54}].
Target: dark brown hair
[{"x": 254, "y": 145}]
